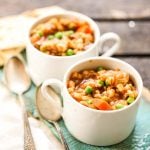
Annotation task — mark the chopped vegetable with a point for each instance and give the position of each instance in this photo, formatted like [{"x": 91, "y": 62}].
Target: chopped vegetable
[
  {"x": 58, "y": 35},
  {"x": 101, "y": 83},
  {"x": 85, "y": 29},
  {"x": 70, "y": 52},
  {"x": 89, "y": 101},
  {"x": 130, "y": 100},
  {"x": 88, "y": 90},
  {"x": 50, "y": 37},
  {"x": 67, "y": 33},
  {"x": 40, "y": 34},
  {"x": 119, "y": 106},
  {"x": 99, "y": 68},
  {"x": 105, "y": 98},
  {"x": 102, "y": 105},
  {"x": 107, "y": 83},
  {"x": 72, "y": 25}
]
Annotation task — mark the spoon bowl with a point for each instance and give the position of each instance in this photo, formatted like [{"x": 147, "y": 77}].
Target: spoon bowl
[
  {"x": 48, "y": 110},
  {"x": 16, "y": 76},
  {"x": 51, "y": 110},
  {"x": 18, "y": 82}
]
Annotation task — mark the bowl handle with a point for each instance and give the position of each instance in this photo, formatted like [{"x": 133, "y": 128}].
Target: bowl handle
[
  {"x": 110, "y": 36},
  {"x": 57, "y": 85}
]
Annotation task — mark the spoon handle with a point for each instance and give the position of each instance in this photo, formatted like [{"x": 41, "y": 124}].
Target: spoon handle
[
  {"x": 28, "y": 139},
  {"x": 63, "y": 141}
]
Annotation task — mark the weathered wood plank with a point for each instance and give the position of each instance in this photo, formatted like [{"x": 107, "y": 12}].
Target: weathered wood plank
[
  {"x": 12, "y": 7},
  {"x": 135, "y": 40},
  {"x": 106, "y": 10},
  {"x": 98, "y": 9},
  {"x": 142, "y": 66}
]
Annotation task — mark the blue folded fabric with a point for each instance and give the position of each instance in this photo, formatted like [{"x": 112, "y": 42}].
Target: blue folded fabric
[{"x": 138, "y": 140}]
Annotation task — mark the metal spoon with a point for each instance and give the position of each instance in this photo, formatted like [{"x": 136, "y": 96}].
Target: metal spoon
[
  {"x": 18, "y": 81},
  {"x": 49, "y": 111}
]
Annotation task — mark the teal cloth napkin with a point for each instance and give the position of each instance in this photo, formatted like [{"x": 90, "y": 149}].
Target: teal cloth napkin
[{"x": 138, "y": 140}]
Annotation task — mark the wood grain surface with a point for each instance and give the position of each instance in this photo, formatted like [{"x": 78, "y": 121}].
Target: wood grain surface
[
  {"x": 142, "y": 65},
  {"x": 128, "y": 18},
  {"x": 135, "y": 40},
  {"x": 100, "y": 9}
]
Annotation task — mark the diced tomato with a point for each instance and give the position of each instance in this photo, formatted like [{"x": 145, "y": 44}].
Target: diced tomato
[
  {"x": 88, "y": 30},
  {"x": 35, "y": 38},
  {"x": 102, "y": 105},
  {"x": 85, "y": 29}
]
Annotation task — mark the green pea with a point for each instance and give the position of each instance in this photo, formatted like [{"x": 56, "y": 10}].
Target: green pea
[
  {"x": 105, "y": 98},
  {"x": 89, "y": 101},
  {"x": 99, "y": 68},
  {"x": 40, "y": 34},
  {"x": 67, "y": 33},
  {"x": 50, "y": 37},
  {"x": 130, "y": 100},
  {"x": 70, "y": 52},
  {"x": 119, "y": 106},
  {"x": 59, "y": 35},
  {"x": 101, "y": 83},
  {"x": 107, "y": 83},
  {"x": 88, "y": 90}
]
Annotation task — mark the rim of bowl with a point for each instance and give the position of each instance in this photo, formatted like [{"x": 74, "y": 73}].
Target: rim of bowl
[
  {"x": 69, "y": 14},
  {"x": 140, "y": 83}
]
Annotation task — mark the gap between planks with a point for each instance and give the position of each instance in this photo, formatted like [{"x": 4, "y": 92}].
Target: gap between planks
[
  {"x": 138, "y": 55},
  {"x": 147, "y": 19}
]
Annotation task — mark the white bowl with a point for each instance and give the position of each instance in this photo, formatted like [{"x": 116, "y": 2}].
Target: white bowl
[
  {"x": 97, "y": 127},
  {"x": 43, "y": 66}
]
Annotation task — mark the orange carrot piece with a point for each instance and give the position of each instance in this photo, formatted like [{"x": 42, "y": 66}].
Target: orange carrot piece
[
  {"x": 102, "y": 105},
  {"x": 85, "y": 29}
]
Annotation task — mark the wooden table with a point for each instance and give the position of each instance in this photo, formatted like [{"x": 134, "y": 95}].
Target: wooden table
[{"x": 129, "y": 19}]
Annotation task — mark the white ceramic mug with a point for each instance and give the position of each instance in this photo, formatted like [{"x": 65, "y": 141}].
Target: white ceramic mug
[
  {"x": 97, "y": 127},
  {"x": 43, "y": 66}
]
